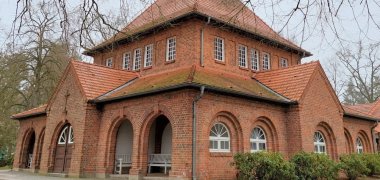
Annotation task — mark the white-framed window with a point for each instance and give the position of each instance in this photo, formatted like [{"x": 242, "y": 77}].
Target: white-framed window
[
  {"x": 255, "y": 65},
  {"x": 67, "y": 135},
  {"x": 319, "y": 143},
  {"x": 127, "y": 61},
  {"x": 242, "y": 56},
  {"x": 359, "y": 146},
  {"x": 219, "y": 49},
  {"x": 171, "y": 49},
  {"x": 284, "y": 62},
  {"x": 137, "y": 59},
  {"x": 109, "y": 62},
  {"x": 266, "y": 61},
  {"x": 219, "y": 138},
  {"x": 148, "y": 57},
  {"x": 258, "y": 140}
]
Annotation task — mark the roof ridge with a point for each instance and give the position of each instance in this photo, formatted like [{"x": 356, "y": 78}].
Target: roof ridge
[{"x": 289, "y": 67}]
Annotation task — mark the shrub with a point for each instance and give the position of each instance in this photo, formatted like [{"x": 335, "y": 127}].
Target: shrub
[
  {"x": 372, "y": 162},
  {"x": 314, "y": 166},
  {"x": 353, "y": 165},
  {"x": 263, "y": 165}
]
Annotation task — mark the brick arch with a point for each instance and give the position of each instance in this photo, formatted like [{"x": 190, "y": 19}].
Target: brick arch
[
  {"x": 270, "y": 132},
  {"x": 53, "y": 143},
  {"x": 148, "y": 120},
  {"x": 349, "y": 143},
  {"x": 365, "y": 140},
  {"x": 233, "y": 126},
  {"x": 330, "y": 139},
  {"x": 40, "y": 143},
  {"x": 111, "y": 140},
  {"x": 25, "y": 144}
]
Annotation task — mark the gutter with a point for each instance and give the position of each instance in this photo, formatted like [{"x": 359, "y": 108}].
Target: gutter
[
  {"x": 194, "y": 141},
  {"x": 27, "y": 115},
  {"x": 361, "y": 117}
]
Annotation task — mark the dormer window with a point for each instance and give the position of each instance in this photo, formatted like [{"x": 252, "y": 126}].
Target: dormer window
[
  {"x": 148, "y": 58},
  {"x": 137, "y": 60},
  {"x": 242, "y": 58},
  {"x": 266, "y": 61},
  {"x": 171, "y": 49},
  {"x": 284, "y": 62},
  {"x": 219, "y": 49},
  {"x": 127, "y": 61},
  {"x": 109, "y": 62},
  {"x": 255, "y": 60}
]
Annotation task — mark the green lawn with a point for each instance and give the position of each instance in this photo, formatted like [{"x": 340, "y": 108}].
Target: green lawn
[{"x": 5, "y": 167}]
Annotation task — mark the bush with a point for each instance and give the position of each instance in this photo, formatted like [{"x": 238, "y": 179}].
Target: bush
[
  {"x": 372, "y": 162},
  {"x": 263, "y": 165},
  {"x": 314, "y": 166},
  {"x": 354, "y": 165}
]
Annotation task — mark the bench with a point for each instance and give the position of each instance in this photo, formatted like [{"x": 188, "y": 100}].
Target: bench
[
  {"x": 122, "y": 160},
  {"x": 30, "y": 160},
  {"x": 160, "y": 160}
]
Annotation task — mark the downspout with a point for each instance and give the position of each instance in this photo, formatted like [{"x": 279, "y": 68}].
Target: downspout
[
  {"x": 202, "y": 40},
  {"x": 194, "y": 142},
  {"x": 373, "y": 137}
]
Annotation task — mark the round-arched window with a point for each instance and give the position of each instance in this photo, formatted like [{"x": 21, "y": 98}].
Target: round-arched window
[
  {"x": 359, "y": 146},
  {"x": 219, "y": 138},
  {"x": 319, "y": 143},
  {"x": 258, "y": 140}
]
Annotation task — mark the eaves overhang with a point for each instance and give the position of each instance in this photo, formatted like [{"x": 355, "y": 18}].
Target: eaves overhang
[
  {"x": 365, "y": 118},
  {"x": 28, "y": 116}
]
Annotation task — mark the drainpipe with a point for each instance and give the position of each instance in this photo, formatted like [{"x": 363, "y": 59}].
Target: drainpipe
[
  {"x": 194, "y": 142},
  {"x": 373, "y": 137},
  {"x": 202, "y": 40}
]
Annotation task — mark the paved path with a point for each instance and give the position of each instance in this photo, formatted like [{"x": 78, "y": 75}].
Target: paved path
[{"x": 15, "y": 175}]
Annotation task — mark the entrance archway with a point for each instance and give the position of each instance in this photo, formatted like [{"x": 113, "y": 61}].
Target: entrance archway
[
  {"x": 29, "y": 151},
  {"x": 123, "y": 149},
  {"x": 64, "y": 150},
  {"x": 160, "y": 146}
]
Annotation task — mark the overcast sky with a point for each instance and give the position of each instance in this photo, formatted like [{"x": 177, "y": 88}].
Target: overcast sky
[{"x": 322, "y": 47}]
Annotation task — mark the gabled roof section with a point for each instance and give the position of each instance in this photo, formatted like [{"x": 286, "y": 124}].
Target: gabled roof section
[
  {"x": 291, "y": 82},
  {"x": 96, "y": 80},
  {"x": 233, "y": 13},
  {"x": 194, "y": 77},
  {"x": 370, "y": 110},
  {"x": 41, "y": 110}
]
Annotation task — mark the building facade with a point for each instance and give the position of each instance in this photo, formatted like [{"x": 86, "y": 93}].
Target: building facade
[{"x": 179, "y": 91}]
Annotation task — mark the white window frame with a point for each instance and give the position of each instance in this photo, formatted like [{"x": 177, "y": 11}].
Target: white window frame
[
  {"x": 171, "y": 48},
  {"x": 127, "y": 61},
  {"x": 69, "y": 138},
  {"x": 258, "y": 140},
  {"x": 284, "y": 62},
  {"x": 219, "y": 139},
  {"x": 266, "y": 61},
  {"x": 63, "y": 135},
  {"x": 219, "y": 49},
  {"x": 242, "y": 56},
  {"x": 137, "y": 57},
  {"x": 318, "y": 144},
  {"x": 359, "y": 146},
  {"x": 71, "y": 135},
  {"x": 255, "y": 60},
  {"x": 148, "y": 55},
  {"x": 109, "y": 62}
]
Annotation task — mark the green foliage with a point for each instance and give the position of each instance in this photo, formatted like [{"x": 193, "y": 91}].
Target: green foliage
[
  {"x": 315, "y": 166},
  {"x": 354, "y": 165},
  {"x": 372, "y": 162},
  {"x": 263, "y": 165}
]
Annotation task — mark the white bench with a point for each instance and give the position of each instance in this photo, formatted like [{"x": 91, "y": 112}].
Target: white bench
[
  {"x": 160, "y": 160},
  {"x": 122, "y": 160},
  {"x": 30, "y": 160}
]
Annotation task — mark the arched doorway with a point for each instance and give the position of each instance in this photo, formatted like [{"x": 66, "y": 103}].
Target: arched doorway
[
  {"x": 64, "y": 150},
  {"x": 39, "y": 149},
  {"x": 29, "y": 151},
  {"x": 160, "y": 146},
  {"x": 124, "y": 146}
]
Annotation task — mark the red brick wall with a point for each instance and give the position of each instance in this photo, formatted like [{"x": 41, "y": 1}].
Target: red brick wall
[{"x": 358, "y": 128}]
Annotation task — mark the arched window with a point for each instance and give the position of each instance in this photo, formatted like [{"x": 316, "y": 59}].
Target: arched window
[
  {"x": 219, "y": 138},
  {"x": 67, "y": 135},
  {"x": 319, "y": 143},
  {"x": 258, "y": 140},
  {"x": 359, "y": 146}
]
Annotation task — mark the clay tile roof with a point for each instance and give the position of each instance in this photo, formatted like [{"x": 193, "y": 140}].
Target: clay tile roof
[
  {"x": 31, "y": 112},
  {"x": 361, "y": 110},
  {"x": 290, "y": 82},
  {"x": 233, "y": 13},
  {"x": 97, "y": 80},
  {"x": 194, "y": 76}
]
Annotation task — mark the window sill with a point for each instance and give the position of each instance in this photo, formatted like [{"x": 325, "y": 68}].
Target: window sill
[
  {"x": 137, "y": 70},
  {"x": 221, "y": 154},
  {"x": 220, "y": 62},
  {"x": 243, "y": 68},
  {"x": 149, "y": 67},
  {"x": 170, "y": 62}
]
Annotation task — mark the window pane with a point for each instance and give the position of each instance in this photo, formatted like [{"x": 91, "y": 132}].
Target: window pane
[{"x": 242, "y": 58}]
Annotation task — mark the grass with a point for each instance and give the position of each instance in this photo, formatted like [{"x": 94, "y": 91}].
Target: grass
[{"x": 5, "y": 167}]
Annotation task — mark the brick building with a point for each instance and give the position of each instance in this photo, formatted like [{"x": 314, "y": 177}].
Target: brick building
[{"x": 181, "y": 89}]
